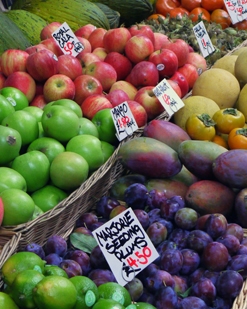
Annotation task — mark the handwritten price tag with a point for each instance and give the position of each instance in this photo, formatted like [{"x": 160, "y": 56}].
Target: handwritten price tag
[
  {"x": 237, "y": 9},
  {"x": 168, "y": 97},
  {"x": 124, "y": 121},
  {"x": 204, "y": 42},
  {"x": 67, "y": 41},
  {"x": 125, "y": 245}
]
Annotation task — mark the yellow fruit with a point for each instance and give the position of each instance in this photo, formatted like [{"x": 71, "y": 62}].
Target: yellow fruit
[
  {"x": 226, "y": 63},
  {"x": 55, "y": 292},
  {"x": 240, "y": 68},
  {"x": 115, "y": 291},
  {"x": 87, "y": 292},
  {"x": 194, "y": 105},
  {"x": 241, "y": 103},
  {"x": 18, "y": 262},
  {"x": 21, "y": 290},
  {"x": 218, "y": 85},
  {"x": 7, "y": 302},
  {"x": 239, "y": 50}
]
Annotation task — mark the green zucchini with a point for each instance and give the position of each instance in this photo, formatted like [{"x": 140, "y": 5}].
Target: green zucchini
[{"x": 112, "y": 15}]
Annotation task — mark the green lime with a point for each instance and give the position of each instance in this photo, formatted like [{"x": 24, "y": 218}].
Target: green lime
[
  {"x": 21, "y": 290},
  {"x": 7, "y": 302},
  {"x": 140, "y": 305},
  {"x": 18, "y": 262},
  {"x": 115, "y": 291},
  {"x": 87, "y": 292},
  {"x": 54, "y": 270},
  {"x": 55, "y": 292},
  {"x": 107, "y": 304}
]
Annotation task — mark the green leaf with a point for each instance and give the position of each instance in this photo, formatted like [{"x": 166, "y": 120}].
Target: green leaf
[{"x": 83, "y": 242}]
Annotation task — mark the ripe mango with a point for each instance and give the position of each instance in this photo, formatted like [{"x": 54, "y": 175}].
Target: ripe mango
[
  {"x": 166, "y": 132},
  {"x": 185, "y": 176},
  {"x": 240, "y": 207},
  {"x": 149, "y": 157},
  {"x": 210, "y": 196},
  {"x": 230, "y": 168},
  {"x": 198, "y": 156}
]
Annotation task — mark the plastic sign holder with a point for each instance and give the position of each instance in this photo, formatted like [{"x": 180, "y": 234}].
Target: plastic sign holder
[{"x": 204, "y": 42}]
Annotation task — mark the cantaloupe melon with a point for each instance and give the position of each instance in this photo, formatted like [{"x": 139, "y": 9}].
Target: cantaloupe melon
[{"x": 226, "y": 63}]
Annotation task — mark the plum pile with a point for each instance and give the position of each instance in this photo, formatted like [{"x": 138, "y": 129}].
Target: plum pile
[{"x": 202, "y": 259}]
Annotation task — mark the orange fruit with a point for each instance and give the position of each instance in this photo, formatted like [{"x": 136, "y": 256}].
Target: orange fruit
[
  {"x": 198, "y": 13},
  {"x": 212, "y": 5},
  {"x": 221, "y": 17}
]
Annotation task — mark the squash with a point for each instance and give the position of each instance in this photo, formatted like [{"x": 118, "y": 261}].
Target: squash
[{"x": 112, "y": 15}]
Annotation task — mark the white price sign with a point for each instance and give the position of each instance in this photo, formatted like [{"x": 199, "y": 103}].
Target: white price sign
[
  {"x": 168, "y": 97},
  {"x": 67, "y": 41},
  {"x": 237, "y": 9},
  {"x": 124, "y": 121},
  {"x": 125, "y": 245},
  {"x": 204, "y": 42}
]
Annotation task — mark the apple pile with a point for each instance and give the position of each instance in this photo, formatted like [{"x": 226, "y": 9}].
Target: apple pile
[{"x": 116, "y": 65}]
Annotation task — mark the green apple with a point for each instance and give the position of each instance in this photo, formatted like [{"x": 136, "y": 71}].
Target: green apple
[
  {"x": 108, "y": 149},
  {"x": 34, "y": 166},
  {"x": 48, "y": 197},
  {"x": 36, "y": 111},
  {"x": 68, "y": 171},
  {"x": 15, "y": 96},
  {"x": 60, "y": 122},
  {"x": 86, "y": 126},
  {"x": 5, "y": 108},
  {"x": 48, "y": 145},
  {"x": 25, "y": 123},
  {"x": 41, "y": 130},
  {"x": 18, "y": 206},
  {"x": 10, "y": 144},
  {"x": 105, "y": 125},
  {"x": 37, "y": 212},
  {"x": 89, "y": 147},
  {"x": 70, "y": 104},
  {"x": 10, "y": 178}
]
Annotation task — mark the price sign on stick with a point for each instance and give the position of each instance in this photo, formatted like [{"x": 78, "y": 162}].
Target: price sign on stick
[
  {"x": 168, "y": 97},
  {"x": 237, "y": 9},
  {"x": 125, "y": 245},
  {"x": 124, "y": 121},
  {"x": 67, "y": 41},
  {"x": 205, "y": 44}
]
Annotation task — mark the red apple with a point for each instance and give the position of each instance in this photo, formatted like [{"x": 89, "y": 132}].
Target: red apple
[
  {"x": 58, "y": 86},
  {"x": 126, "y": 87},
  {"x": 190, "y": 73},
  {"x": 149, "y": 101},
  {"x": 117, "y": 97},
  {"x": 166, "y": 62},
  {"x": 104, "y": 72},
  {"x": 94, "y": 103},
  {"x": 39, "y": 101},
  {"x": 138, "y": 112},
  {"x": 96, "y": 38},
  {"x": 160, "y": 40},
  {"x": 116, "y": 39},
  {"x": 51, "y": 44},
  {"x": 86, "y": 44},
  {"x": 86, "y": 85},
  {"x": 182, "y": 82},
  {"x": 69, "y": 65},
  {"x": 86, "y": 59},
  {"x": 2, "y": 80},
  {"x": 22, "y": 81},
  {"x": 42, "y": 64},
  {"x": 121, "y": 64},
  {"x": 13, "y": 60},
  {"x": 85, "y": 31},
  {"x": 138, "y": 48},
  {"x": 175, "y": 87},
  {"x": 145, "y": 30},
  {"x": 198, "y": 61},
  {"x": 100, "y": 52},
  {"x": 181, "y": 49},
  {"x": 35, "y": 48},
  {"x": 144, "y": 73},
  {"x": 47, "y": 31}
]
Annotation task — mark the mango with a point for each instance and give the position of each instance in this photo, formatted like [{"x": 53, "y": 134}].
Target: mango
[
  {"x": 166, "y": 132},
  {"x": 122, "y": 183},
  {"x": 198, "y": 156},
  {"x": 185, "y": 176},
  {"x": 240, "y": 207},
  {"x": 230, "y": 168},
  {"x": 169, "y": 186},
  {"x": 149, "y": 157},
  {"x": 210, "y": 196}
]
